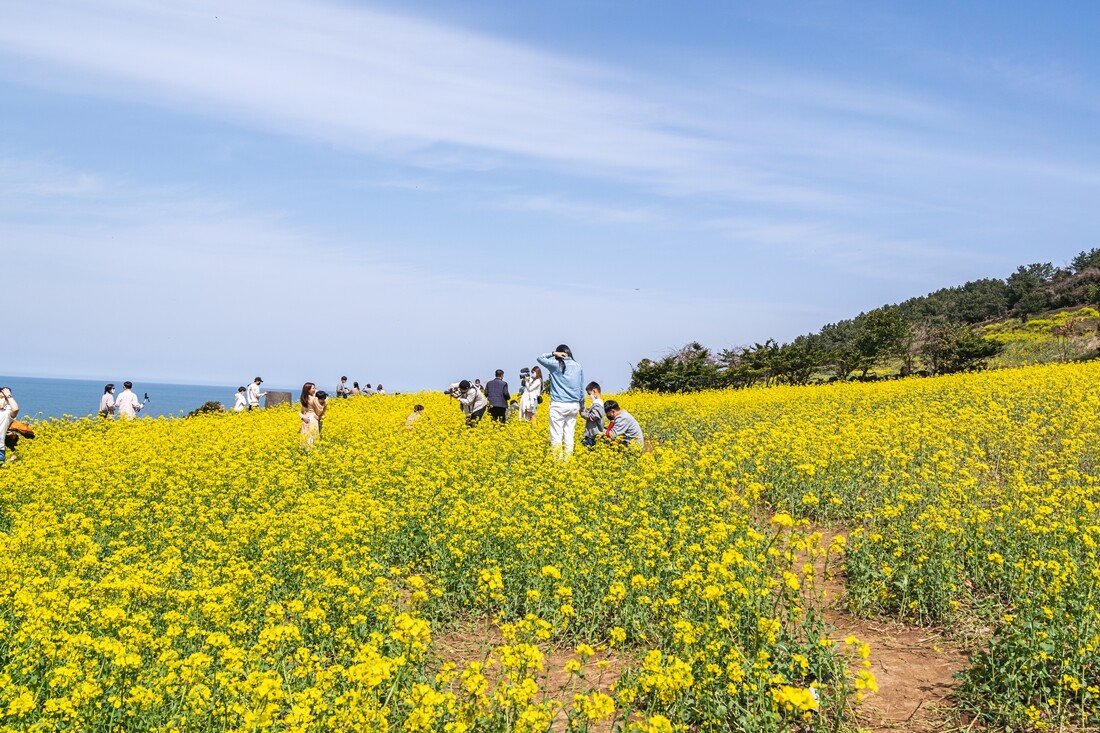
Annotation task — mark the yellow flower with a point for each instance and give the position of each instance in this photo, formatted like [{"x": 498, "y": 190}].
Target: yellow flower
[{"x": 595, "y": 706}]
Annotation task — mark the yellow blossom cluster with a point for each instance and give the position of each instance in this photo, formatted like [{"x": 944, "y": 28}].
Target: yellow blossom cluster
[{"x": 206, "y": 573}]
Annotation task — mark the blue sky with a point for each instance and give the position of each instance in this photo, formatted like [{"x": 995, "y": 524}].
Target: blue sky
[{"x": 421, "y": 191}]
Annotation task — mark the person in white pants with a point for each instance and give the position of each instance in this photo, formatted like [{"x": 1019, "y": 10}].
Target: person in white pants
[
  {"x": 566, "y": 397},
  {"x": 9, "y": 410}
]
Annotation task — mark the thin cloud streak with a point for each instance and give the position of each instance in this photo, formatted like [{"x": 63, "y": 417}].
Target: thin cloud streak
[
  {"x": 443, "y": 97},
  {"x": 776, "y": 147},
  {"x": 363, "y": 76}
]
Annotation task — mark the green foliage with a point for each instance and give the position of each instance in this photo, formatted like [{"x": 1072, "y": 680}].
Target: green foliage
[
  {"x": 973, "y": 302},
  {"x": 690, "y": 369},
  {"x": 206, "y": 408},
  {"x": 882, "y": 334},
  {"x": 1086, "y": 260},
  {"x": 1027, "y": 292},
  {"x": 952, "y": 329},
  {"x": 955, "y": 347}
]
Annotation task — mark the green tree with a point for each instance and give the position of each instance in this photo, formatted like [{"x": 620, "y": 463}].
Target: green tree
[
  {"x": 1087, "y": 260},
  {"x": 1027, "y": 289},
  {"x": 689, "y": 369},
  {"x": 797, "y": 361},
  {"x": 880, "y": 335},
  {"x": 955, "y": 347},
  {"x": 838, "y": 341}
]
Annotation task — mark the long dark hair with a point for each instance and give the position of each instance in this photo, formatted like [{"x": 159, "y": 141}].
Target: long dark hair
[
  {"x": 565, "y": 350},
  {"x": 305, "y": 394}
]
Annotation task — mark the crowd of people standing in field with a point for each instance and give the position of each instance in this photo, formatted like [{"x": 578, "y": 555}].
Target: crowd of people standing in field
[
  {"x": 570, "y": 398},
  {"x": 556, "y": 374}
]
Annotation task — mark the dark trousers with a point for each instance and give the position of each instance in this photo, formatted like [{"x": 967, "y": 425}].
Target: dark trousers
[
  {"x": 498, "y": 413},
  {"x": 475, "y": 417}
]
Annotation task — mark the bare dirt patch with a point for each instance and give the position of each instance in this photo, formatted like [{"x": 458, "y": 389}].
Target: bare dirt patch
[
  {"x": 475, "y": 640},
  {"x": 915, "y": 667}
]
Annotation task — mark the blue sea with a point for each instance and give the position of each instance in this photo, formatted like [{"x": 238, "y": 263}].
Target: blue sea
[{"x": 40, "y": 398}]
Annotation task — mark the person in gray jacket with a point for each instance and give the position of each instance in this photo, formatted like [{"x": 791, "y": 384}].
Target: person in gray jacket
[
  {"x": 623, "y": 425},
  {"x": 593, "y": 416}
]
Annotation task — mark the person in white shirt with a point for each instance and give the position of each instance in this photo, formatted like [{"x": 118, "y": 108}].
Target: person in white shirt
[
  {"x": 107, "y": 402},
  {"x": 532, "y": 392},
  {"x": 240, "y": 402},
  {"x": 9, "y": 410},
  {"x": 254, "y": 394},
  {"x": 380, "y": 390},
  {"x": 127, "y": 404},
  {"x": 342, "y": 389}
]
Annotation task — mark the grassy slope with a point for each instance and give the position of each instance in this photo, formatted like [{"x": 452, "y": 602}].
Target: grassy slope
[{"x": 1062, "y": 335}]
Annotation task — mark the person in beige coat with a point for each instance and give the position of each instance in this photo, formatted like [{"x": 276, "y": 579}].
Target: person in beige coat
[{"x": 310, "y": 415}]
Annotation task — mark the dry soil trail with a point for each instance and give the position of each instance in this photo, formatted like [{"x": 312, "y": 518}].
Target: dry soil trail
[{"x": 914, "y": 666}]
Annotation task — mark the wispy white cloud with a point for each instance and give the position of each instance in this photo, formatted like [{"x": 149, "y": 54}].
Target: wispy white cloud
[
  {"x": 440, "y": 96},
  {"x": 783, "y": 146},
  {"x": 364, "y": 77}
]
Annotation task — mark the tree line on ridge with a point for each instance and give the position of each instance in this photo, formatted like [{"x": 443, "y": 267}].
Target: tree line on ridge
[{"x": 930, "y": 334}]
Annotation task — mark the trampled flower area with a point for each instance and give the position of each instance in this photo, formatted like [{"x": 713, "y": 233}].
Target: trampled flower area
[{"x": 207, "y": 574}]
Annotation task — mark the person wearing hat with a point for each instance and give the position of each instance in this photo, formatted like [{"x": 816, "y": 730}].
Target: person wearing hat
[{"x": 254, "y": 394}]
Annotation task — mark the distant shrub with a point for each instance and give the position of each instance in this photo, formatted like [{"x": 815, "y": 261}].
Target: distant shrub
[{"x": 207, "y": 407}]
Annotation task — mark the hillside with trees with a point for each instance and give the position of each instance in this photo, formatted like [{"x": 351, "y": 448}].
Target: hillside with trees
[{"x": 1038, "y": 313}]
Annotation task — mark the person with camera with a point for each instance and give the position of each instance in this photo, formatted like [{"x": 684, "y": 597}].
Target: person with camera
[
  {"x": 531, "y": 395},
  {"x": 471, "y": 400},
  {"x": 9, "y": 410},
  {"x": 128, "y": 405},
  {"x": 566, "y": 397}
]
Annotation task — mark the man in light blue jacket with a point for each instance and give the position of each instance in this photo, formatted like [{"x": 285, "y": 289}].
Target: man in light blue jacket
[{"x": 566, "y": 397}]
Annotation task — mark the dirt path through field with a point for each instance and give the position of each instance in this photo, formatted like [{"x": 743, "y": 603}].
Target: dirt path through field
[{"x": 914, "y": 666}]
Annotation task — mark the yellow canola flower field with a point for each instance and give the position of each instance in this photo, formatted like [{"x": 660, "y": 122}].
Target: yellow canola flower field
[{"x": 207, "y": 574}]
